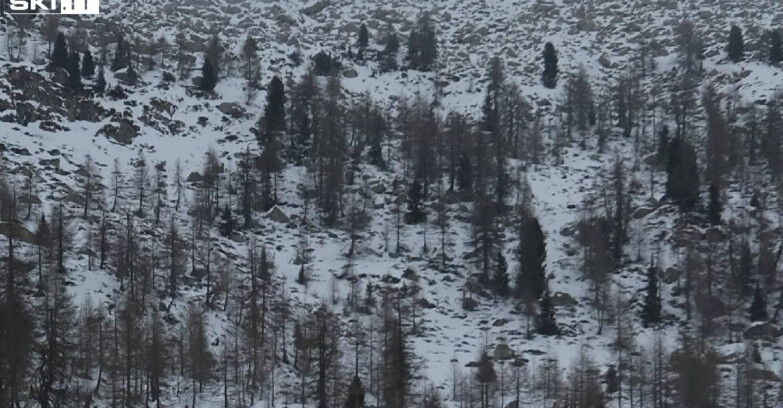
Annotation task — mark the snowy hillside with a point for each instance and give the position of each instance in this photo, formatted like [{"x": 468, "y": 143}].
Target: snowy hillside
[{"x": 371, "y": 245}]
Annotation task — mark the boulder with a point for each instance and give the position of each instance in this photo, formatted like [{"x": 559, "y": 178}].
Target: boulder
[
  {"x": 503, "y": 352},
  {"x": 762, "y": 374},
  {"x": 231, "y": 109},
  {"x": 315, "y": 8},
  {"x": 20, "y": 232},
  {"x": 670, "y": 275},
  {"x": 763, "y": 331},
  {"x": 604, "y": 61},
  {"x": 277, "y": 215},
  {"x": 469, "y": 304},
  {"x": 642, "y": 212},
  {"x": 715, "y": 235},
  {"x": 563, "y": 299},
  {"x": 123, "y": 132},
  {"x": 194, "y": 177}
]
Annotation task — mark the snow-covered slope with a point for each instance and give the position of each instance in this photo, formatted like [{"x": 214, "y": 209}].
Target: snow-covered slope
[{"x": 170, "y": 122}]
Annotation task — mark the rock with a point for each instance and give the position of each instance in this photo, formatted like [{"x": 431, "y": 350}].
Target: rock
[
  {"x": 237, "y": 237},
  {"x": 315, "y": 8},
  {"x": 61, "y": 76},
  {"x": 128, "y": 78},
  {"x": 715, "y": 234},
  {"x": 277, "y": 215},
  {"x": 25, "y": 113},
  {"x": 763, "y": 331},
  {"x": 123, "y": 133},
  {"x": 410, "y": 275},
  {"x": 426, "y": 304},
  {"x": 762, "y": 374},
  {"x": 563, "y": 299},
  {"x": 194, "y": 177},
  {"x": 568, "y": 230},
  {"x": 469, "y": 304},
  {"x": 350, "y": 73},
  {"x": 378, "y": 188},
  {"x": 20, "y": 232},
  {"x": 503, "y": 352},
  {"x": 604, "y": 61},
  {"x": 642, "y": 212},
  {"x": 670, "y": 275},
  {"x": 49, "y": 162},
  {"x": 231, "y": 109}
]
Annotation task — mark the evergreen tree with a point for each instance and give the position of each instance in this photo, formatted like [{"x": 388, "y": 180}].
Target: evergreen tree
[
  {"x": 465, "y": 176},
  {"x": 227, "y": 222},
  {"x": 364, "y": 37},
  {"x": 775, "y": 47},
  {"x": 60, "y": 53},
  {"x": 121, "y": 54},
  {"x": 532, "y": 256},
  {"x": 715, "y": 206},
  {"x": 390, "y": 51},
  {"x": 549, "y": 76},
  {"x": 415, "y": 214},
  {"x": 74, "y": 71},
  {"x": 736, "y": 48},
  {"x": 500, "y": 279},
  {"x": 682, "y": 182},
  {"x": 423, "y": 45},
  {"x": 485, "y": 376},
  {"x": 744, "y": 272},
  {"x": 355, "y": 398},
  {"x": 274, "y": 111},
  {"x": 88, "y": 66},
  {"x": 100, "y": 83},
  {"x": 758, "y": 307},
  {"x": 651, "y": 311},
  {"x": 208, "y": 79},
  {"x": 546, "y": 324}
]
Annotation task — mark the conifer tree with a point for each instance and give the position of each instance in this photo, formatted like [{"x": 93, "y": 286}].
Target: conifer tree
[
  {"x": 465, "y": 176},
  {"x": 744, "y": 272},
  {"x": 355, "y": 398},
  {"x": 532, "y": 256},
  {"x": 274, "y": 111},
  {"x": 74, "y": 71},
  {"x": 227, "y": 222},
  {"x": 251, "y": 67},
  {"x": 500, "y": 279},
  {"x": 208, "y": 79},
  {"x": 682, "y": 182},
  {"x": 758, "y": 307},
  {"x": 546, "y": 324},
  {"x": 549, "y": 76},
  {"x": 390, "y": 51},
  {"x": 415, "y": 214},
  {"x": 651, "y": 310},
  {"x": 775, "y": 47},
  {"x": 423, "y": 45},
  {"x": 88, "y": 66},
  {"x": 715, "y": 206},
  {"x": 60, "y": 53},
  {"x": 100, "y": 83},
  {"x": 736, "y": 48},
  {"x": 486, "y": 376},
  {"x": 121, "y": 54},
  {"x": 364, "y": 37}
]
